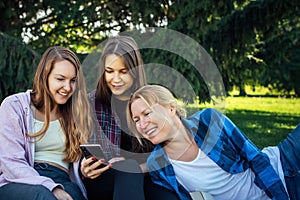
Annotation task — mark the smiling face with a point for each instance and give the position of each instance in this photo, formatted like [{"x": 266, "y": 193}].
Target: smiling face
[
  {"x": 117, "y": 76},
  {"x": 62, "y": 81},
  {"x": 153, "y": 123}
]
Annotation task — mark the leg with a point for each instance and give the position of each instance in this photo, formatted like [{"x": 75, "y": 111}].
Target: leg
[
  {"x": 102, "y": 186},
  {"x": 16, "y": 191},
  {"x": 73, "y": 189},
  {"x": 290, "y": 159},
  {"x": 128, "y": 183},
  {"x": 60, "y": 176},
  {"x": 154, "y": 191},
  {"x": 117, "y": 183}
]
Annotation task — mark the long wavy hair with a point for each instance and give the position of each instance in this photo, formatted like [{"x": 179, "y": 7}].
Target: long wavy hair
[
  {"x": 127, "y": 49},
  {"x": 74, "y": 115}
]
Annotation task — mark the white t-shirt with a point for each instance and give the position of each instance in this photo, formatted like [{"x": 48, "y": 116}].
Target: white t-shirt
[{"x": 208, "y": 177}]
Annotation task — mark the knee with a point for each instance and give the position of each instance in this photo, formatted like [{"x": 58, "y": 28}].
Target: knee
[
  {"x": 128, "y": 165},
  {"x": 41, "y": 192}
]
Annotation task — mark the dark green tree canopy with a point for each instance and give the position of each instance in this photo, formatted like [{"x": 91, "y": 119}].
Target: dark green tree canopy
[
  {"x": 252, "y": 42},
  {"x": 17, "y": 65}
]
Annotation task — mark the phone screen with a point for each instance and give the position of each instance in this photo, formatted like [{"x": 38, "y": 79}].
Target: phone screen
[{"x": 90, "y": 150}]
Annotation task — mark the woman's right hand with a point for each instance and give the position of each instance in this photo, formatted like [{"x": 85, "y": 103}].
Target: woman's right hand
[
  {"x": 60, "y": 194},
  {"x": 92, "y": 171}
]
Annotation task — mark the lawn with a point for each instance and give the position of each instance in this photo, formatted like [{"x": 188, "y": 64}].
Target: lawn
[{"x": 265, "y": 120}]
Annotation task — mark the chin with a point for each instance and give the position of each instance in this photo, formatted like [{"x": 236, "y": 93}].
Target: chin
[
  {"x": 155, "y": 141},
  {"x": 61, "y": 101}
]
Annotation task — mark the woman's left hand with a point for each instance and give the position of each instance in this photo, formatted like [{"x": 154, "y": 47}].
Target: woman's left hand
[{"x": 116, "y": 159}]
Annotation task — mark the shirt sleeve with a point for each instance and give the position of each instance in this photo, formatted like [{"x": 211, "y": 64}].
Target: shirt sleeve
[
  {"x": 265, "y": 176},
  {"x": 14, "y": 149},
  {"x": 162, "y": 173}
]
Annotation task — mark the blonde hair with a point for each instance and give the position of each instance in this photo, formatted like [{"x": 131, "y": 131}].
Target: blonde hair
[
  {"x": 74, "y": 115},
  {"x": 153, "y": 94}
]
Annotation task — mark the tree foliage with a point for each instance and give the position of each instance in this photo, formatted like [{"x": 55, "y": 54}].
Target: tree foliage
[
  {"x": 252, "y": 42},
  {"x": 17, "y": 66},
  {"x": 249, "y": 48}
]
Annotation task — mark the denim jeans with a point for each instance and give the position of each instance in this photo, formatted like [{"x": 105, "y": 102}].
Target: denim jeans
[
  {"x": 60, "y": 176},
  {"x": 290, "y": 160},
  {"x": 17, "y": 191}
]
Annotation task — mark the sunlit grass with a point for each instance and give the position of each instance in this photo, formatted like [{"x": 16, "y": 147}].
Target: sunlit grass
[
  {"x": 265, "y": 120},
  {"x": 266, "y": 104},
  {"x": 258, "y": 90}
]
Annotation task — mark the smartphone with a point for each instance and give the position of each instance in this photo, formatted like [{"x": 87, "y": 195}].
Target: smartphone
[{"x": 92, "y": 150}]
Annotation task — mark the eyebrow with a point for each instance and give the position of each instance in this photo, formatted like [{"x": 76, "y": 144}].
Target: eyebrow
[
  {"x": 109, "y": 67},
  {"x": 64, "y": 76},
  {"x": 143, "y": 111}
]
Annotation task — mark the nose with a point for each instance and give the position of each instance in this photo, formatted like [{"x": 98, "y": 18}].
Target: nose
[
  {"x": 67, "y": 85},
  {"x": 144, "y": 122},
  {"x": 116, "y": 77}
]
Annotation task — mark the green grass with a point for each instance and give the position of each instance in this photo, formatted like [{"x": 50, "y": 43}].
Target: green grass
[{"x": 265, "y": 120}]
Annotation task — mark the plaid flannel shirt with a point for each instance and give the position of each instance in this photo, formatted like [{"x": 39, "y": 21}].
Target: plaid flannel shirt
[
  {"x": 107, "y": 132},
  {"x": 227, "y": 146}
]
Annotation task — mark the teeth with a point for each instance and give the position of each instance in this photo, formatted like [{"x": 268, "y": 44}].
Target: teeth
[{"x": 150, "y": 131}]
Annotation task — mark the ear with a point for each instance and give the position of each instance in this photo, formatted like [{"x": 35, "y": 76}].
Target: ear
[{"x": 172, "y": 108}]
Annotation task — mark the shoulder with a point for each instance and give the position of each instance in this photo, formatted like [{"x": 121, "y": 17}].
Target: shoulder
[
  {"x": 205, "y": 116},
  {"x": 207, "y": 112},
  {"x": 16, "y": 105},
  {"x": 22, "y": 98}
]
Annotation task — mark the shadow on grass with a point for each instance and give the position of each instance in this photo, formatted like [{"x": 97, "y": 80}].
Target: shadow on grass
[{"x": 263, "y": 128}]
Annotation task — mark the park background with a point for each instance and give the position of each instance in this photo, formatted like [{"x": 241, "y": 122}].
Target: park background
[{"x": 254, "y": 44}]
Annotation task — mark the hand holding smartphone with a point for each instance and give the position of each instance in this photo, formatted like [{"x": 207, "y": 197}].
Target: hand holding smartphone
[{"x": 92, "y": 150}]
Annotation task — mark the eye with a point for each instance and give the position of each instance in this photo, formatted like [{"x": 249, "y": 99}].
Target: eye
[
  {"x": 124, "y": 71},
  {"x": 109, "y": 71},
  {"x": 148, "y": 113},
  {"x": 60, "y": 79},
  {"x": 136, "y": 120}
]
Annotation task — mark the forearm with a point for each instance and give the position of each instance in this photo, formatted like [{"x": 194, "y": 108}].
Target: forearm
[{"x": 143, "y": 167}]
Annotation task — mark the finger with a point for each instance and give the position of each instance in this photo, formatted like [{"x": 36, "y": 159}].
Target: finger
[
  {"x": 90, "y": 160},
  {"x": 103, "y": 169},
  {"x": 97, "y": 172},
  {"x": 85, "y": 162},
  {"x": 116, "y": 159}
]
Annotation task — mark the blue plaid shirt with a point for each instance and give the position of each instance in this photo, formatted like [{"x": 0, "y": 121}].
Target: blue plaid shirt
[{"x": 227, "y": 146}]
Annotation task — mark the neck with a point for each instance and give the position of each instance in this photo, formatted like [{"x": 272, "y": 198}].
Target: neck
[
  {"x": 40, "y": 115},
  {"x": 53, "y": 114},
  {"x": 122, "y": 97},
  {"x": 179, "y": 144}
]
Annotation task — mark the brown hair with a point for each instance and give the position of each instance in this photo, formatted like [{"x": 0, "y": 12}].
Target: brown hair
[
  {"x": 75, "y": 123},
  {"x": 127, "y": 49}
]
